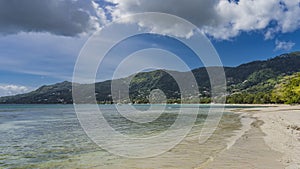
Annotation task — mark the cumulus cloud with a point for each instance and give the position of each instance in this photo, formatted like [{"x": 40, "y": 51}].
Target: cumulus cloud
[
  {"x": 283, "y": 45},
  {"x": 259, "y": 15},
  {"x": 60, "y": 17},
  {"x": 221, "y": 19},
  {"x": 198, "y": 12},
  {"x": 7, "y": 90}
]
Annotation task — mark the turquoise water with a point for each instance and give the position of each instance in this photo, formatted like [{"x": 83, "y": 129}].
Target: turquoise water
[
  {"x": 50, "y": 136},
  {"x": 35, "y": 133}
]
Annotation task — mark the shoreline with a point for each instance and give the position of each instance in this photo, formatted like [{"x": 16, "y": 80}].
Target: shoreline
[
  {"x": 270, "y": 140},
  {"x": 251, "y": 136}
]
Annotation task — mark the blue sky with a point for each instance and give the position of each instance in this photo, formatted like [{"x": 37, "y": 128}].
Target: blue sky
[
  {"x": 252, "y": 46},
  {"x": 40, "y": 46}
]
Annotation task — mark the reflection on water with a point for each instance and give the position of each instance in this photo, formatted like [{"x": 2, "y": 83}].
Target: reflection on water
[{"x": 50, "y": 136}]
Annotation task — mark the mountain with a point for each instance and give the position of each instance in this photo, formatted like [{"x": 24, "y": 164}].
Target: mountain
[
  {"x": 254, "y": 82},
  {"x": 50, "y": 94}
]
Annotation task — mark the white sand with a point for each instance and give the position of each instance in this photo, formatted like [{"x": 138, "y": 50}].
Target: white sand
[
  {"x": 280, "y": 136},
  {"x": 270, "y": 142}
]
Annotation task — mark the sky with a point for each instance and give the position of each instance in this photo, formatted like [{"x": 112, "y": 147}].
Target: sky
[{"x": 40, "y": 41}]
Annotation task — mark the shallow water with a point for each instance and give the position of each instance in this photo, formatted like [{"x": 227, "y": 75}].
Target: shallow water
[{"x": 50, "y": 136}]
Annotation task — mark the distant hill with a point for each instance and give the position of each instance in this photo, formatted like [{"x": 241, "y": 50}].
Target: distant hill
[
  {"x": 253, "y": 82},
  {"x": 50, "y": 94}
]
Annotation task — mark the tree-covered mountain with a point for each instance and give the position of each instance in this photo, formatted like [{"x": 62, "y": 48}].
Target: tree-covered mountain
[
  {"x": 270, "y": 81},
  {"x": 50, "y": 94}
]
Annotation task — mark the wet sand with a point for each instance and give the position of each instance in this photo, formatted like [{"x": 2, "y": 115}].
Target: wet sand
[
  {"x": 271, "y": 141},
  {"x": 188, "y": 154}
]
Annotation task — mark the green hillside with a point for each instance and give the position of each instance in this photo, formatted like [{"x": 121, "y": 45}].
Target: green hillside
[
  {"x": 274, "y": 80},
  {"x": 287, "y": 90}
]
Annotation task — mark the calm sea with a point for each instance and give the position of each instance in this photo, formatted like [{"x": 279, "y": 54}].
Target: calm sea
[{"x": 50, "y": 136}]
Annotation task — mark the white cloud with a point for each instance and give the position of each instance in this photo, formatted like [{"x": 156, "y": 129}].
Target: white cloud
[
  {"x": 7, "y": 90},
  {"x": 198, "y": 12},
  {"x": 283, "y": 45},
  {"x": 243, "y": 16},
  {"x": 270, "y": 33},
  {"x": 221, "y": 19}
]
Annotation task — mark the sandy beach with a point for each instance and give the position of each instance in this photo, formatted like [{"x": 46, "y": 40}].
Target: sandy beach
[{"x": 270, "y": 139}]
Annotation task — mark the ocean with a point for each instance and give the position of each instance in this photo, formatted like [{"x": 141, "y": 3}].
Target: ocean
[{"x": 50, "y": 136}]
